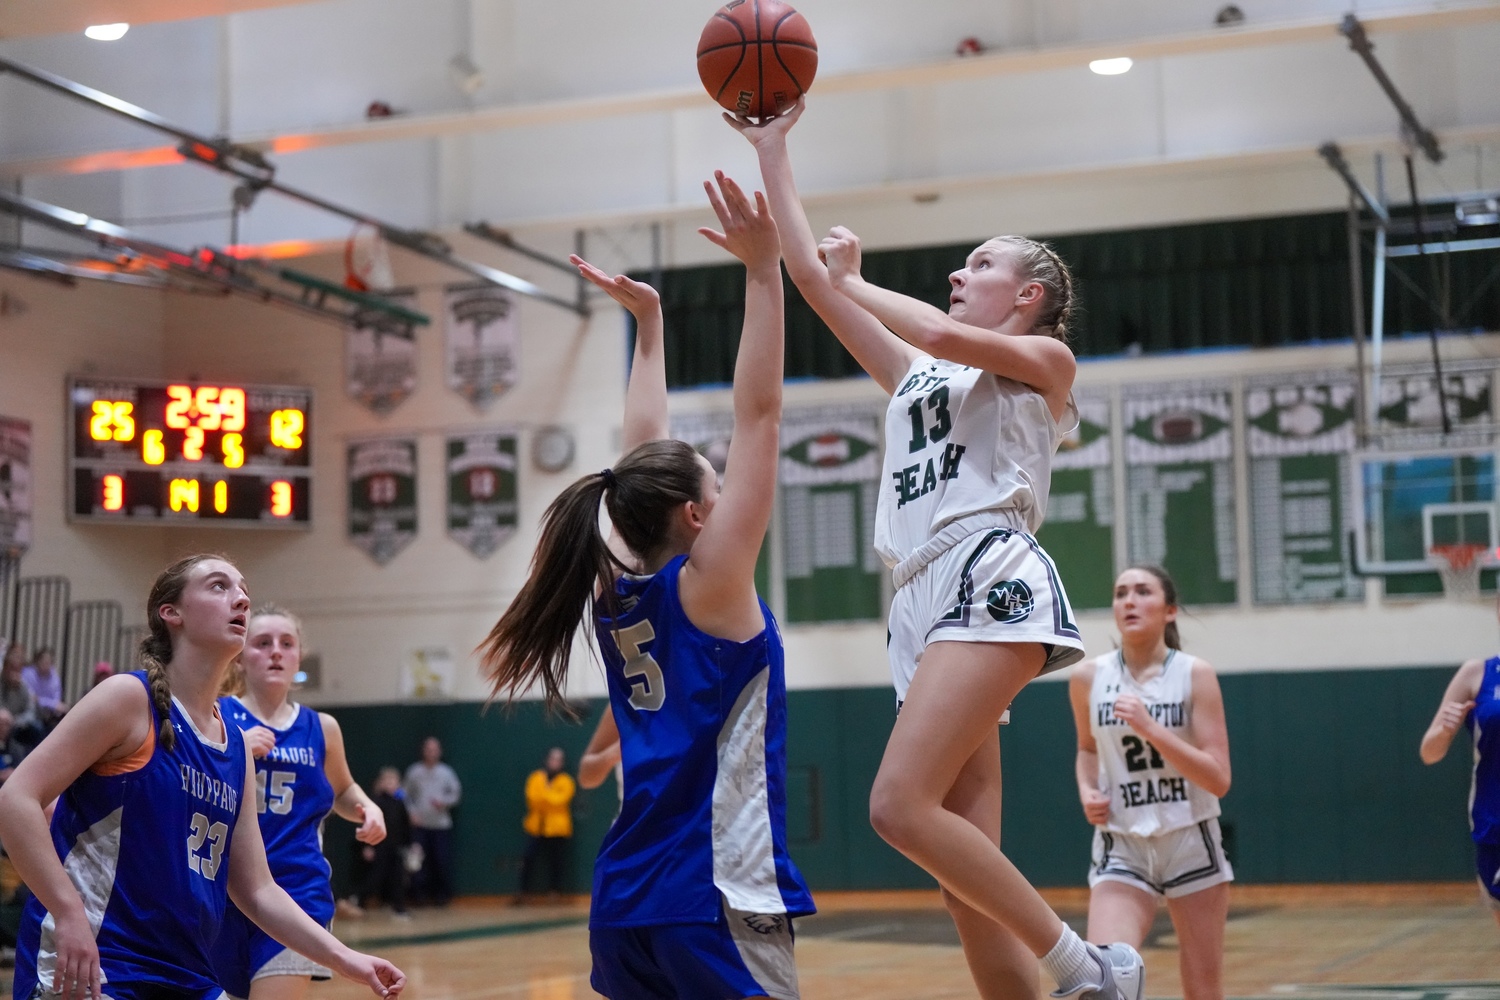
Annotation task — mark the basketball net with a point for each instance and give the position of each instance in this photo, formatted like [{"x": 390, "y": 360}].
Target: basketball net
[
  {"x": 367, "y": 261},
  {"x": 1458, "y": 564}
]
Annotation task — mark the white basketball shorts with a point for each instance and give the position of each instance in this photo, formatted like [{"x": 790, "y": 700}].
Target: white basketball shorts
[
  {"x": 1176, "y": 863},
  {"x": 995, "y": 585}
]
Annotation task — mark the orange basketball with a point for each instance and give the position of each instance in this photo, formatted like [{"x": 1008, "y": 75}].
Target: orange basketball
[{"x": 756, "y": 57}]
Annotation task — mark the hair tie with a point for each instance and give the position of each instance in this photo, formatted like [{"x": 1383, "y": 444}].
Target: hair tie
[{"x": 608, "y": 475}]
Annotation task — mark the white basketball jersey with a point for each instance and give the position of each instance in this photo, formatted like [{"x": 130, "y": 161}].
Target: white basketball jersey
[
  {"x": 961, "y": 441},
  {"x": 1147, "y": 795}
]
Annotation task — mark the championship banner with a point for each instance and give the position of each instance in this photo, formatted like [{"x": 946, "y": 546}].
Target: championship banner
[
  {"x": 482, "y": 336},
  {"x": 1179, "y": 485},
  {"x": 1299, "y": 433},
  {"x": 1410, "y": 407},
  {"x": 383, "y": 495},
  {"x": 1300, "y": 414},
  {"x": 15, "y": 487},
  {"x": 482, "y": 492},
  {"x": 380, "y": 367},
  {"x": 830, "y": 482},
  {"x": 1079, "y": 530}
]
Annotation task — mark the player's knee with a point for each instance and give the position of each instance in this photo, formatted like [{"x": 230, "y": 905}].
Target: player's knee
[{"x": 892, "y": 813}]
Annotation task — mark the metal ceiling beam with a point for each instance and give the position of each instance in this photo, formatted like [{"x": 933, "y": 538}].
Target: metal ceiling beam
[
  {"x": 257, "y": 174},
  {"x": 241, "y": 277},
  {"x": 1334, "y": 157},
  {"x": 68, "y": 272},
  {"x": 1421, "y": 135}
]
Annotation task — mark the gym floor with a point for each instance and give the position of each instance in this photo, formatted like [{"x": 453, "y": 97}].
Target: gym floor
[{"x": 1381, "y": 942}]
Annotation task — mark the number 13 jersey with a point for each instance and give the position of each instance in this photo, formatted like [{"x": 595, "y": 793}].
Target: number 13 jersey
[
  {"x": 961, "y": 441},
  {"x": 1147, "y": 795},
  {"x": 702, "y": 724}
]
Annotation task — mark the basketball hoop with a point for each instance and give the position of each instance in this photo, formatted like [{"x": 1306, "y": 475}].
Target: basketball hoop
[
  {"x": 367, "y": 261},
  {"x": 1458, "y": 564}
]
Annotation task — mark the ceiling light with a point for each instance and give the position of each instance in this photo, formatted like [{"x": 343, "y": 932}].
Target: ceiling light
[
  {"x": 106, "y": 32},
  {"x": 1111, "y": 67}
]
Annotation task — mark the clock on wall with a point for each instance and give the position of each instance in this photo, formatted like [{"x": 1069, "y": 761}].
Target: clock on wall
[{"x": 552, "y": 448}]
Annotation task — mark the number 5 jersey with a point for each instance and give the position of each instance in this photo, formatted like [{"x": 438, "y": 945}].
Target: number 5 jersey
[
  {"x": 145, "y": 841},
  {"x": 1147, "y": 795},
  {"x": 702, "y": 724}
]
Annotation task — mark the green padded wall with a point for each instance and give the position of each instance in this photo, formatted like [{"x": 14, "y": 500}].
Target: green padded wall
[{"x": 1327, "y": 783}]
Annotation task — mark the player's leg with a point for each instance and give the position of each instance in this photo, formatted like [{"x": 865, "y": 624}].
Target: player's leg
[
  {"x": 1002, "y": 967},
  {"x": 1120, "y": 912},
  {"x": 1199, "y": 920},
  {"x": 279, "y": 988},
  {"x": 954, "y": 704}
]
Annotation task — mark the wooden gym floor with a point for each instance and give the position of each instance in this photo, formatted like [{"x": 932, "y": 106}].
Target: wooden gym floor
[{"x": 1398, "y": 942}]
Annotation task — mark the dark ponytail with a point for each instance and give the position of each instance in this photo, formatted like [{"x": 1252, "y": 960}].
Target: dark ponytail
[
  {"x": 1170, "y": 635},
  {"x": 533, "y": 640},
  {"x": 156, "y": 648}
]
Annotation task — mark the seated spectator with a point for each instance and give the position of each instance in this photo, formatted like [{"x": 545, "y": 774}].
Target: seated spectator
[
  {"x": 11, "y": 752},
  {"x": 46, "y": 683},
  {"x": 103, "y": 670},
  {"x": 17, "y": 699}
]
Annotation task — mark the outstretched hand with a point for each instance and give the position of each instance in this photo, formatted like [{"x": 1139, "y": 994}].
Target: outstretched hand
[
  {"x": 840, "y": 252},
  {"x": 640, "y": 298},
  {"x": 767, "y": 130},
  {"x": 748, "y": 230}
]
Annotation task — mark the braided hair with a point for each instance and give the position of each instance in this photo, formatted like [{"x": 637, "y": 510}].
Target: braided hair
[
  {"x": 1040, "y": 263},
  {"x": 156, "y": 647}
]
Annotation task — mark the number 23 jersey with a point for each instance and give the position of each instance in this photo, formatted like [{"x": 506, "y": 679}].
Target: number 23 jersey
[
  {"x": 1147, "y": 795},
  {"x": 148, "y": 850},
  {"x": 702, "y": 724}
]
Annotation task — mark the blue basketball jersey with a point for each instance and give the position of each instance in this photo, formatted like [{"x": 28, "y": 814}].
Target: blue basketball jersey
[
  {"x": 292, "y": 798},
  {"x": 702, "y": 727},
  {"x": 148, "y": 851},
  {"x": 1484, "y": 726}
]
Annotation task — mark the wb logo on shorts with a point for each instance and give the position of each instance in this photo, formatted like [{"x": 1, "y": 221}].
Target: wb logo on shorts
[{"x": 1011, "y": 601}]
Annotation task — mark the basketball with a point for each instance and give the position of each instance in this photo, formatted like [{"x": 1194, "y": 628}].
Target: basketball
[{"x": 756, "y": 57}]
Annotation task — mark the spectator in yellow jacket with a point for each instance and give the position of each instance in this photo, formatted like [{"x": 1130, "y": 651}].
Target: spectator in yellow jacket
[{"x": 549, "y": 822}]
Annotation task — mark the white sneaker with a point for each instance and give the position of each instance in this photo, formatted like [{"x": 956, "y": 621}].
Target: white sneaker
[{"x": 1122, "y": 969}]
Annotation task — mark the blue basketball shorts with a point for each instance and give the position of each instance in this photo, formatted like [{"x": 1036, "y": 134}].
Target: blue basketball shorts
[
  {"x": 1487, "y": 867},
  {"x": 745, "y": 955}
]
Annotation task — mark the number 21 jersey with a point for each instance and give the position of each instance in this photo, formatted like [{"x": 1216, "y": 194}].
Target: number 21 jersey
[
  {"x": 1147, "y": 795},
  {"x": 148, "y": 850}
]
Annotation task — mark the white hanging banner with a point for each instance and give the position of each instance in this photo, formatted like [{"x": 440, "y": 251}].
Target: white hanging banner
[{"x": 482, "y": 336}]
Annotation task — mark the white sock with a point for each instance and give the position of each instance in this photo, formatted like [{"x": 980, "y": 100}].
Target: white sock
[{"x": 1070, "y": 963}]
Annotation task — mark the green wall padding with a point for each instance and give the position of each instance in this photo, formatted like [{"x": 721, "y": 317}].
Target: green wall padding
[{"x": 1327, "y": 783}]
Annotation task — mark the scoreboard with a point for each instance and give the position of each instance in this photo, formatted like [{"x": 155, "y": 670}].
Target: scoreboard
[{"x": 189, "y": 453}]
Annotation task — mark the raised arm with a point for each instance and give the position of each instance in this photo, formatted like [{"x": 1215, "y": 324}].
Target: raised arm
[
  {"x": 1086, "y": 764},
  {"x": 1458, "y": 701},
  {"x": 1044, "y": 363},
  {"x": 270, "y": 908},
  {"x": 646, "y": 393},
  {"x": 717, "y": 585},
  {"x": 879, "y": 352}
]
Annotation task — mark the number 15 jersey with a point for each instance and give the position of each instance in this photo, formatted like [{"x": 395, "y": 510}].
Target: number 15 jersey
[
  {"x": 702, "y": 724},
  {"x": 1147, "y": 795}
]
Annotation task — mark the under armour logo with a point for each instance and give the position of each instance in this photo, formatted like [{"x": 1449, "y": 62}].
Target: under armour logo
[{"x": 1111, "y": 689}]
